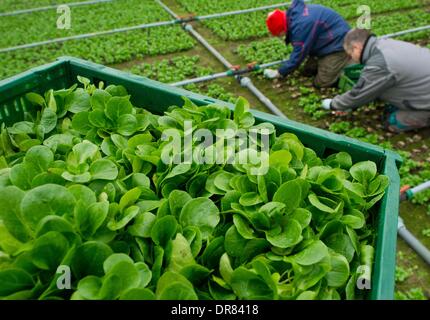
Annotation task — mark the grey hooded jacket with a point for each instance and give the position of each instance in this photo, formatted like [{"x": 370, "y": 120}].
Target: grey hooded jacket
[{"x": 396, "y": 72}]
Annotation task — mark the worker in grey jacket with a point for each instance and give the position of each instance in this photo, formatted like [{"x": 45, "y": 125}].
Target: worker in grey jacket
[{"x": 395, "y": 72}]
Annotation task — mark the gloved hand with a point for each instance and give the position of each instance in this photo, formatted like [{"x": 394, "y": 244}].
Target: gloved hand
[
  {"x": 326, "y": 104},
  {"x": 271, "y": 74}
]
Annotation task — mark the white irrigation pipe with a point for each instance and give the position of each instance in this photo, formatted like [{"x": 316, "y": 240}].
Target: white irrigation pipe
[
  {"x": 412, "y": 241},
  {"x": 410, "y": 193},
  {"x": 419, "y": 188},
  {"x": 202, "y": 79},
  {"x": 89, "y": 35},
  {"x": 403, "y": 232},
  {"x": 244, "y": 81},
  {"x": 236, "y": 12},
  {"x": 226, "y": 73},
  {"x": 178, "y": 20},
  {"x": 206, "y": 44},
  {"x": 54, "y": 6},
  {"x": 401, "y": 33}
]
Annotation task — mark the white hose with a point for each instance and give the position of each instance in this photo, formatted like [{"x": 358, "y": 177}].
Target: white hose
[
  {"x": 421, "y": 187},
  {"x": 54, "y": 6},
  {"x": 413, "y": 242}
]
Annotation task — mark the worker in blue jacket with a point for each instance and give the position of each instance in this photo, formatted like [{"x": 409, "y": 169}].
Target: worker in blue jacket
[{"x": 316, "y": 32}]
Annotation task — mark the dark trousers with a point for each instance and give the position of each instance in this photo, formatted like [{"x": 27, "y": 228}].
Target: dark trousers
[{"x": 327, "y": 69}]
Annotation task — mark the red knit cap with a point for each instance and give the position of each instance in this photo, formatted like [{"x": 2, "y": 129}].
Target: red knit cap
[{"x": 277, "y": 22}]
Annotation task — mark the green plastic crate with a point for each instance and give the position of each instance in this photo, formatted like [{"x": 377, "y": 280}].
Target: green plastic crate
[
  {"x": 349, "y": 77},
  {"x": 345, "y": 83},
  {"x": 353, "y": 71},
  {"x": 156, "y": 97}
]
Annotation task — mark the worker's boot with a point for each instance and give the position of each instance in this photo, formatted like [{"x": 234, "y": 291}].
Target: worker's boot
[{"x": 401, "y": 120}]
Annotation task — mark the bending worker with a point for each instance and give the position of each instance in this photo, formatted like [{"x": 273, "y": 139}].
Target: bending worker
[
  {"x": 316, "y": 32},
  {"x": 396, "y": 72}
]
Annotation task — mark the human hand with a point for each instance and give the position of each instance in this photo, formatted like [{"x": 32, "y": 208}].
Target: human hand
[
  {"x": 326, "y": 104},
  {"x": 271, "y": 74}
]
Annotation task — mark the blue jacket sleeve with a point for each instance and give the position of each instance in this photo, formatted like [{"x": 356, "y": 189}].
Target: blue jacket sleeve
[
  {"x": 301, "y": 48},
  {"x": 296, "y": 58}
]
